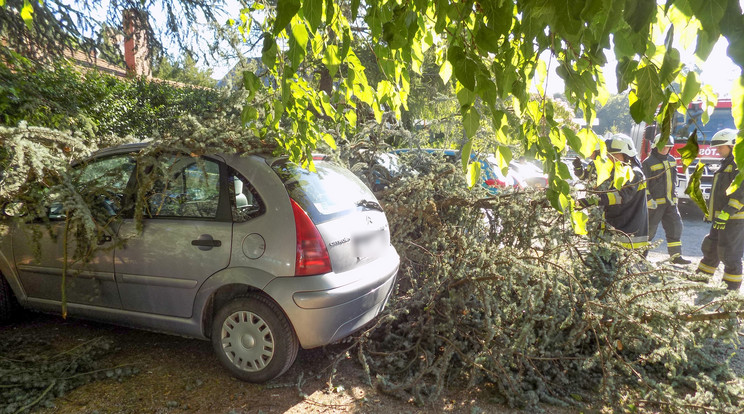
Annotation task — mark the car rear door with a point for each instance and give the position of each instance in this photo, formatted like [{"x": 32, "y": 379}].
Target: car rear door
[{"x": 186, "y": 236}]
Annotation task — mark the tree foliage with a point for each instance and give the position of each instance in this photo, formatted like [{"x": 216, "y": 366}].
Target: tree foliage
[
  {"x": 491, "y": 52},
  {"x": 498, "y": 292}
]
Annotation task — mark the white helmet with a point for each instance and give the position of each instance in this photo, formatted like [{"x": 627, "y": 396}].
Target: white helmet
[
  {"x": 724, "y": 137},
  {"x": 621, "y": 143},
  {"x": 670, "y": 141}
]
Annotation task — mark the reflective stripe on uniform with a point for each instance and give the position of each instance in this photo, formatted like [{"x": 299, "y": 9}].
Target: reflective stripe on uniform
[
  {"x": 731, "y": 278},
  {"x": 669, "y": 187},
  {"x": 657, "y": 167},
  {"x": 735, "y": 204},
  {"x": 674, "y": 244},
  {"x": 634, "y": 245},
  {"x": 737, "y": 216},
  {"x": 729, "y": 168},
  {"x": 706, "y": 269},
  {"x": 660, "y": 200},
  {"x": 614, "y": 198}
]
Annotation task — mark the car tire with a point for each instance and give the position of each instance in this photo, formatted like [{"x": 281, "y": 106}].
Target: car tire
[
  {"x": 8, "y": 304},
  {"x": 253, "y": 339}
]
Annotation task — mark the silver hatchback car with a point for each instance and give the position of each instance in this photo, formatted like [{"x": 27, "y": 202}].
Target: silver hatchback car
[{"x": 252, "y": 252}]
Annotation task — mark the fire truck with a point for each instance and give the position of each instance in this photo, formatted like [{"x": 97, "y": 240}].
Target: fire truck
[{"x": 683, "y": 125}]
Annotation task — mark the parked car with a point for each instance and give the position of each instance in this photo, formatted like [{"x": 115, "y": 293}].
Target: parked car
[
  {"x": 251, "y": 252},
  {"x": 529, "y": 174},
  {"x": 491, "y": 176}
]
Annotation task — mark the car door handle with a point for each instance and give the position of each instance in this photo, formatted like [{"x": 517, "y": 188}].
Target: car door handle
[{"x": 206, "y": 242}]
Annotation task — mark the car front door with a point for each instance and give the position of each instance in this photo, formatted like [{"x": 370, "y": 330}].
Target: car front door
[
  {"x": 185, "y": 238},
  {"x": 39, "y": 245}
]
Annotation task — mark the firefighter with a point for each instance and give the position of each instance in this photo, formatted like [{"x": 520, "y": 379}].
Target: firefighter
[
  {"x": 660, "y": 170},
  {"x": 625, "y": 209},
  {"x": 725, "y": 241}
]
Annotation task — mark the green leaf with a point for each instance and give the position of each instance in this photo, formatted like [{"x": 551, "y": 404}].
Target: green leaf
[
  {"x": 670, "y": 66},
  {"x": 251, "y": 83},
  {"x": 487, "y": 39},
  {"x": 313, "y": 12},
  {"x": 623, "y": 174},
  {"x": 737, "y": 104},
  {"x": 331, "y": 59},
  {"x": 709, "y": 12},
  {"x": 670, "y": 112},
  {"x": 445, "y": 71},
  {"x": 249, "y": 114},
  {"x": 691, "y": 88},
  {"x": 649, "y": 93},
  {"x": 639, "y": 14},
  {"x": 690, "y": 151},
  {"x": 739, "y": 159},
  {"x": 579, "y": 220},
  {"x": 465, "y": 151},
  {"x": 298, "y": 45},
  {"x": 268, "y": 52},
  {"x": 465, "y": 96},
  {"x": 27, "y": 14},
  {"x": 471, "y": 121},
  {"x": 464, "y": 68},
  {"x": 474, "y": 170},
  {"x": 285, "y": 11},
  {"x": 354, "y": 9},
  {"x": 328, "y": 138},
  {"x": 693, "y": 189}
]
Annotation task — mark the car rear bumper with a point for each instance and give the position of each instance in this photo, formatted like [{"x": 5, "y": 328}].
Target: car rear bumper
[{"x": 326, "y": 308}]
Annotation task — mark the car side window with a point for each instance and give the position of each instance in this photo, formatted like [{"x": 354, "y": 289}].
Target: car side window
[
  {"x": 244, "y": 200},
  {"x": 102, "y": 182},
  {"x": 184, "y": 186}
]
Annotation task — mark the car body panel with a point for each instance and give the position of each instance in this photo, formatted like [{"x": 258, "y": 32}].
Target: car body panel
[
  {"x": 151, "y": 271},
  {"x": 162, "y": 281},
  {"x": 41, "y": 272}
]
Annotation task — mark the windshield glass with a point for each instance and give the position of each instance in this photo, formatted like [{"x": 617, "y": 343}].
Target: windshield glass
[
  {"x": 720, "y": 119},
  {"x": 328, "y": 192}
]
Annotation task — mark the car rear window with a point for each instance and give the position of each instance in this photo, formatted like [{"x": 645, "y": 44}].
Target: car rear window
[{"x": 328, "y": 192}]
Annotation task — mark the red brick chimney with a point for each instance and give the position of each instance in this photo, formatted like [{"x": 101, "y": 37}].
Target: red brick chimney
[{"x": 136, "y": 48}]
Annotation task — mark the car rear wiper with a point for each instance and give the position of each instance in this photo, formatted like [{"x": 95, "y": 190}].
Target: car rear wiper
[{"x": 371, "y": 205}]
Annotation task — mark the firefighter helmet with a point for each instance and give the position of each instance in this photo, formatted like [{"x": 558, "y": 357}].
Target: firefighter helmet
[
  {"x": 725, "y": 136},
  {"x": 621, "y": 143},
  {"x": 657, "y": 138}
]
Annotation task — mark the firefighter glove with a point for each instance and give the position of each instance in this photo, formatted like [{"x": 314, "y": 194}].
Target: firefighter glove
[
  {"x": 586, "y": 202},
  {"x": 720, "y": 222}
]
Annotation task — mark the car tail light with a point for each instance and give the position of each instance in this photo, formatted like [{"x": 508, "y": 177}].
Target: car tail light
[
  {"x": 312, "y": 256},
  {"x": 495, "y": 183}
]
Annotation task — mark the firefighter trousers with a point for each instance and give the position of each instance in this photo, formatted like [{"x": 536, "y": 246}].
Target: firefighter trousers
[
  {"x": 725, "y": 246},
  {"x": 668, "y": 215}
]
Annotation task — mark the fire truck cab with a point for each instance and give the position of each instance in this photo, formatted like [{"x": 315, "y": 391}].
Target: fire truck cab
[{"x": 683, "y": 125}]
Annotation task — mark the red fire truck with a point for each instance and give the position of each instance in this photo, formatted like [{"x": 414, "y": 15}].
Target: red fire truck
[{"x": 682, "y": 127}]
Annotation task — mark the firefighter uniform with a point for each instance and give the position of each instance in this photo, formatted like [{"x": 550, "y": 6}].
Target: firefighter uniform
[
  {"x": 625, "y": 209},
  {"x": 661, "y": 175},
  {"x": 725, "y": 244}
]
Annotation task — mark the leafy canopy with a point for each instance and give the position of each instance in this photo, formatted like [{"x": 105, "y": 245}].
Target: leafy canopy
[{"x": 491, "y": 51}]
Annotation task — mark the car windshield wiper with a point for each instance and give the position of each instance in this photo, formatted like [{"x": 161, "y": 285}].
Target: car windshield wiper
[{"x": 371, "y": 205}]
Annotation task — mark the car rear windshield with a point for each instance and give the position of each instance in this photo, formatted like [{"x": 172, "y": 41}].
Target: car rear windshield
[{"x": 328, "y": 192}]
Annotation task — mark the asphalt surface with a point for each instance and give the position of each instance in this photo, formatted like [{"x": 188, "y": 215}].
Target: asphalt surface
[{"x": 695, "y": 229}]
